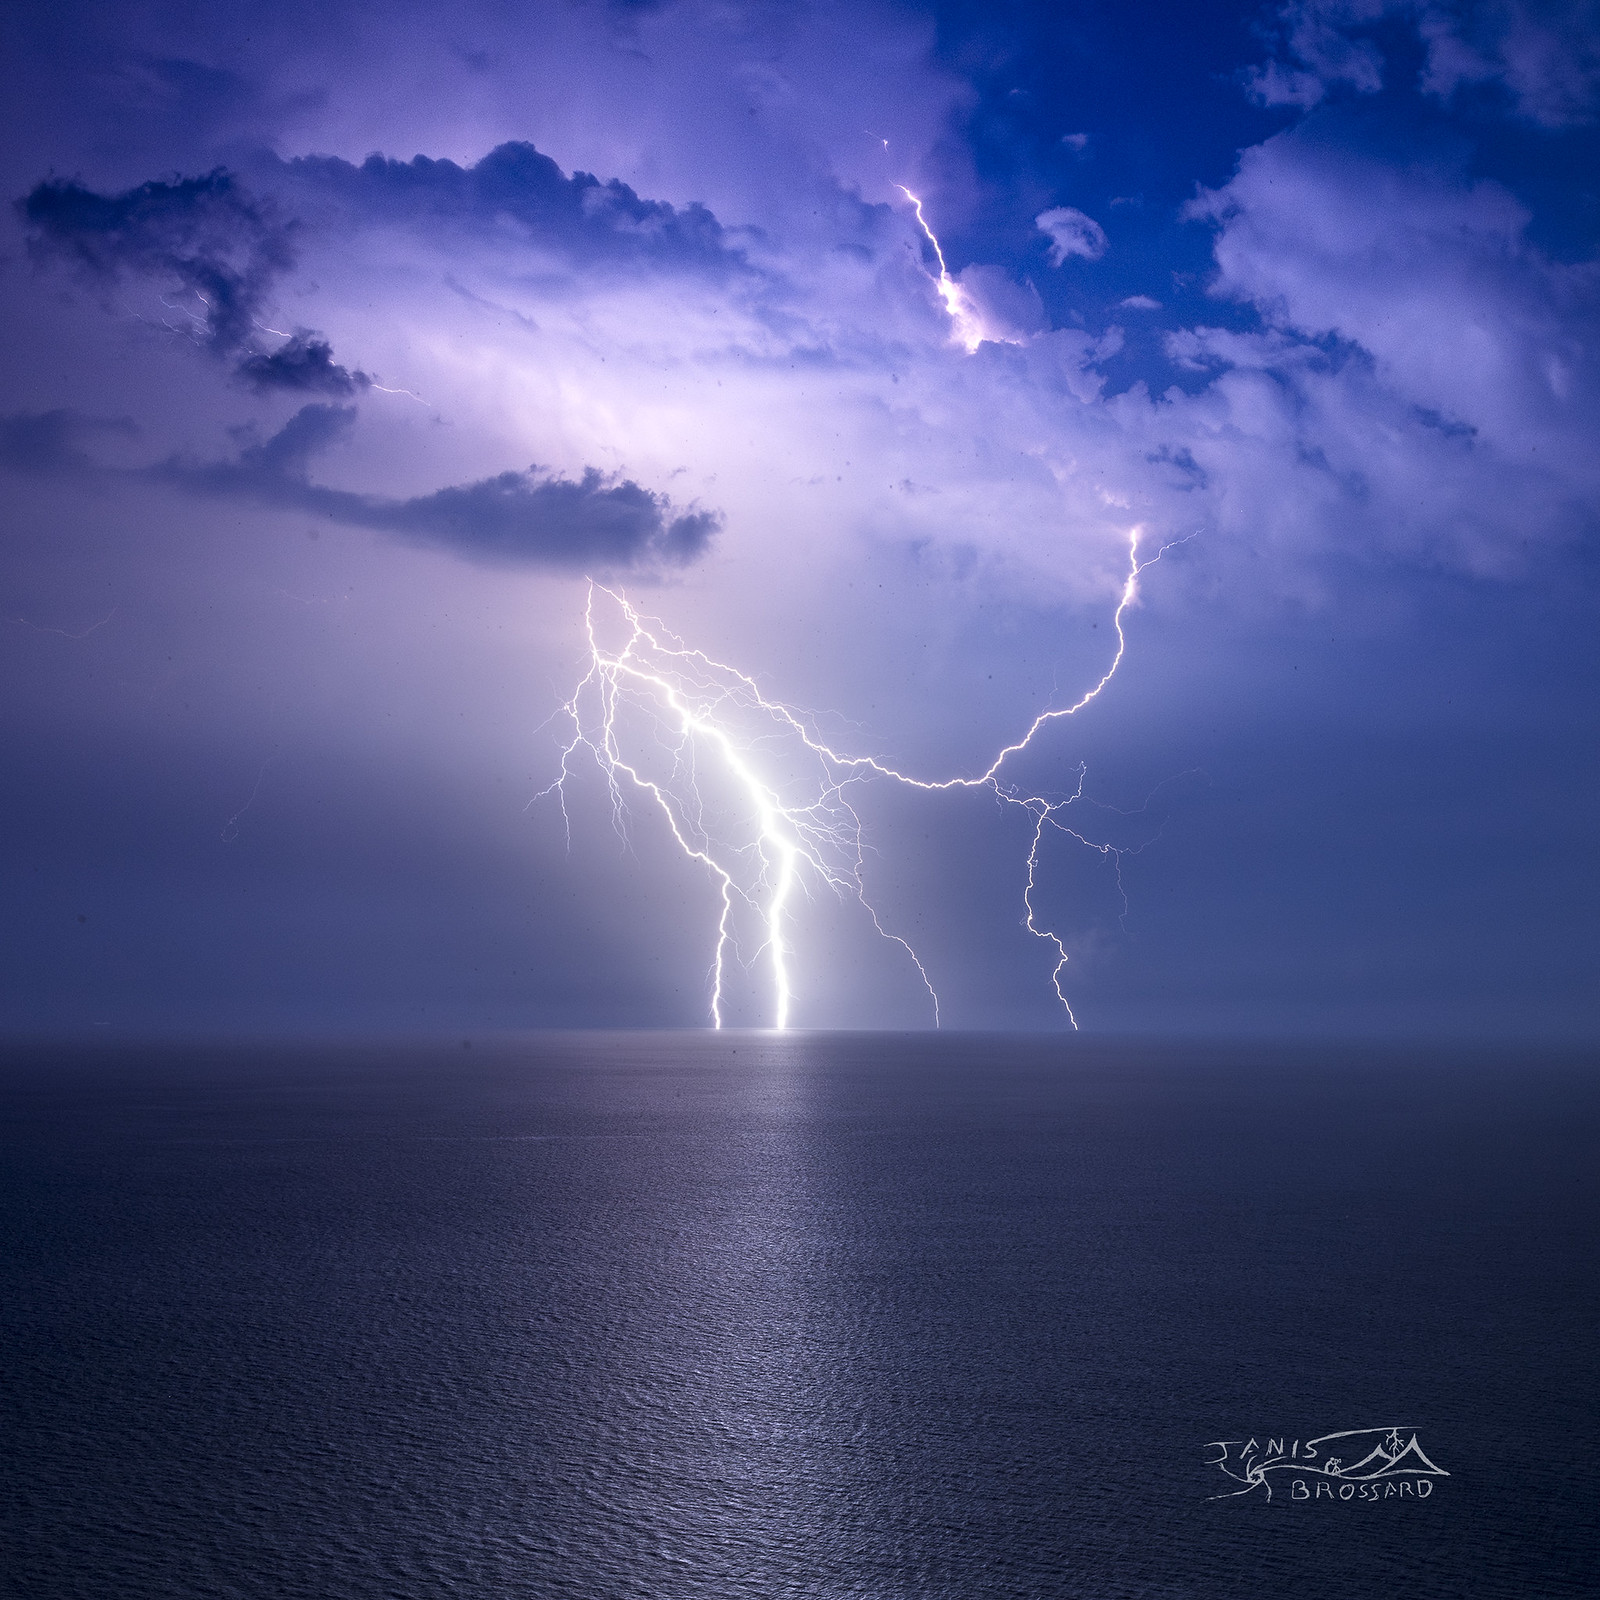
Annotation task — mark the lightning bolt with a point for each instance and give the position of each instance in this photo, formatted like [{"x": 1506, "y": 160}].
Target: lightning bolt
[
  {"x": 751, "y": 791},
  {"x": 967, "y": 325},
  {"x": 696, "y": 731},
  {"x": 698, "y": 738}
]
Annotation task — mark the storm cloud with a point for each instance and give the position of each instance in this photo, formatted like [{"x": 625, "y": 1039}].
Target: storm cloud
[
  {"x": 532, "y": 518},
  {"x": 302, "y": 363},
  {"x": 206, "y": 236},
  {"x": 221, "y": 244},
  {"x": 523, "y": 518},
  {"x": 1342, "y": 346},
  {"x": 516, "y": 190},
  {"x": 210, "y": 240}
]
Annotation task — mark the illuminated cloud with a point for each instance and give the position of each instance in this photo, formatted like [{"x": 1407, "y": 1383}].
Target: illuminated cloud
[
  {"x": 1419, "y": 284},
  {"x": 667, "y": 253},
  {"x": 573, "y": 312},
  {"x": 1071, "y": 233},
  {"x": 515, "y": 194}
]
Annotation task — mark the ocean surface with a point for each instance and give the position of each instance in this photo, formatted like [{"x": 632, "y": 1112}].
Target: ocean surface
[{"x": 680, "y": 1315}]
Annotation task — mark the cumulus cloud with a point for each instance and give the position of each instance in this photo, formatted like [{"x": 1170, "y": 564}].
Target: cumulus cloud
[
  {"x": 1002, "y": 310},
  {"x": 1416, "y": 361},
  {"x": 219, "y": 246},
  {"x": 1071, "y": 233},
  {"x": 522, "y": 196},
  {"x": 1317, "y": 51},
  {"x": 1275, "y": 84},
  {"x": 1415, "y": 383},
  {"x": 1427, "y": 270},
  {"x": 1423, "y": 384},
  {"x": 1294, "y": 451}
]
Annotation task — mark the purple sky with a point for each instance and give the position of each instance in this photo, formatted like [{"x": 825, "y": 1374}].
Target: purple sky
[{"x": 342, "y": 347}]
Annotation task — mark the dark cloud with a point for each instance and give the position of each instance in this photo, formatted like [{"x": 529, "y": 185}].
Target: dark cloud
[
  {"x": 206, "y": 236},
  {"x": 520, "y": 516},
  {"x": 223, "y": 245},
  {"x": 304, "y": 364},
  {"x": 532, "y": 518},
  {"x": 515, "y": 517},
  {"x": 588, "y": 221}
]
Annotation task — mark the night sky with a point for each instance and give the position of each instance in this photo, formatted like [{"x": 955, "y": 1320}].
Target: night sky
[{"x": 343, "y": 346}]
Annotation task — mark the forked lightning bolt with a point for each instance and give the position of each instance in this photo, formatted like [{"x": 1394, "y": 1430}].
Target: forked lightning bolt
[
  {"x": 752, "y": 792},
  {"x": 702, "y": 735},
  {"x": 748, "y": 787}
]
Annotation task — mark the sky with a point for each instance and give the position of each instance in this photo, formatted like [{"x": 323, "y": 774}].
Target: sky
[{"x": 368, "y": 369}]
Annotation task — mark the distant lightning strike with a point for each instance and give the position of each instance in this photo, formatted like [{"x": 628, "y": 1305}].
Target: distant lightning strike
[
  {"x": 957, "y": 302},
  {"x": 700, "y": 734},
  {"x": 692, "y": 708}
]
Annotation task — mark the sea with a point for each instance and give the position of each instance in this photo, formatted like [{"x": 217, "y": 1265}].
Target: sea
[{"x": 674, "y": 1315}]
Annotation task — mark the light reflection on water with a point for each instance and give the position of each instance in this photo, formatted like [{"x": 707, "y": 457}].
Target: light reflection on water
[{"x": 757, "y": 1315}]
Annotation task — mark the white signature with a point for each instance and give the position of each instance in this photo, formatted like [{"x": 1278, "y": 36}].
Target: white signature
[{"x": 1355, "y": 1464}]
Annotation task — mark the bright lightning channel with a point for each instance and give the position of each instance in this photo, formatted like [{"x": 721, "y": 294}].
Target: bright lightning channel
[
  {"x": 690, "y": 710},
  {"x": 964, "y": 318},
  {"x": 697, "y": 736}
]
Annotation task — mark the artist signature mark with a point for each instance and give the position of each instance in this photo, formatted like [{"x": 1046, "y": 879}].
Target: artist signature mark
[{"x": 1353, "y": 1464}]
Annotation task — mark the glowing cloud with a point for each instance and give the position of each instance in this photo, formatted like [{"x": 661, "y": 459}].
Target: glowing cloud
[{"x": 1071, "y": 233}]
